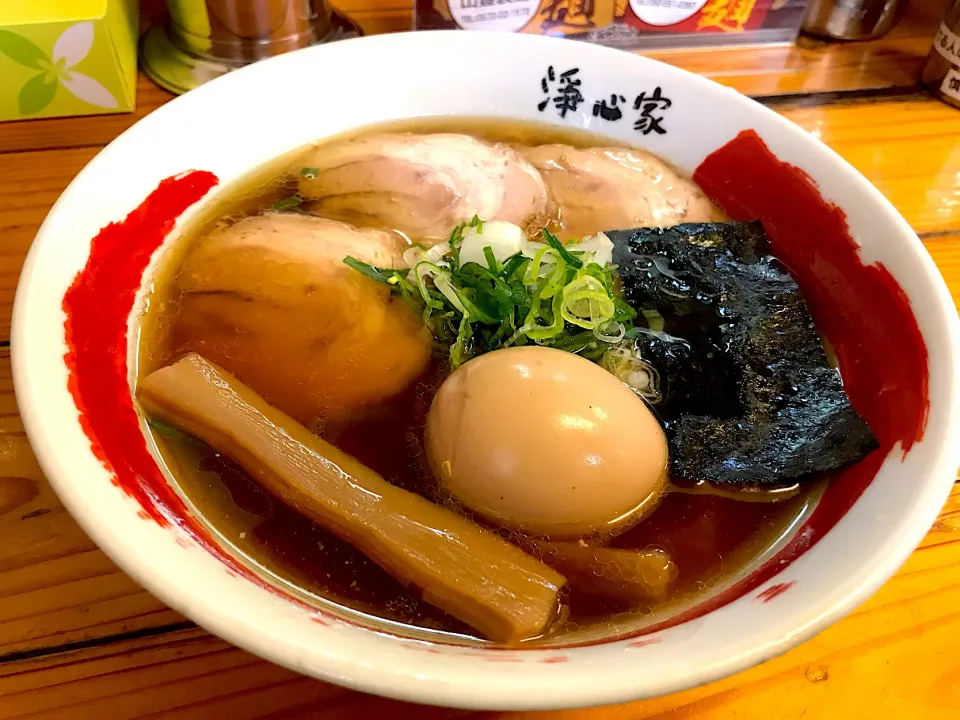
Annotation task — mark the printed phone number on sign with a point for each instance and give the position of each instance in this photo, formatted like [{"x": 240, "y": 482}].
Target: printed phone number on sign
[
  {"x": 673, "y": 4},
  {"x": 494, "y": 15}
]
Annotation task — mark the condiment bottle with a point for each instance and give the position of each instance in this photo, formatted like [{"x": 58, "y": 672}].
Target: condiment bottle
[
  {"x": 207, "y": 38},
  {"x": 850, "y": 19},
  {"x": 941, "y": 75}
]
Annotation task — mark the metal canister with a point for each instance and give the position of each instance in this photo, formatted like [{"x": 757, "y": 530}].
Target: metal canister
[
  {"x": 850, "y": 19},
  {"x": 207, "y": 38},
  {"x": 941, "y": 74}
]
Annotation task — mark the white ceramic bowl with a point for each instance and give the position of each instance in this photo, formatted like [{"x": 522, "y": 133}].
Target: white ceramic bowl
[{"x": 241, "y": 120}]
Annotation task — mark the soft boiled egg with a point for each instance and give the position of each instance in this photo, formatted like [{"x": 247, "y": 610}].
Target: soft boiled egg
[{"x": 546, "y": 442}]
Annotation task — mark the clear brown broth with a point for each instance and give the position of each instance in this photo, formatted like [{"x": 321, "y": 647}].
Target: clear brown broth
[{"x": 711, "y": 538}]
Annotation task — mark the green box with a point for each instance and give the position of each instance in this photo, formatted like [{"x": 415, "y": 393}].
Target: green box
[{"x": 67, "y": 57}]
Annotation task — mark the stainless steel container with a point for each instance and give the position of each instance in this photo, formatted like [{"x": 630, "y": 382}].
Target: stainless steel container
[
  {"x": 207, "y": 38},
  {"x": 941, "y": 74},
  {"x": 850, "y": 19}
]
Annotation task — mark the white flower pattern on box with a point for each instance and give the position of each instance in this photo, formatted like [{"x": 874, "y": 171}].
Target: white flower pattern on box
[{"x": 57, "y": 70}]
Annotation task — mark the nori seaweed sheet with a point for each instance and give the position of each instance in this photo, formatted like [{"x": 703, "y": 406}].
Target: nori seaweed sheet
[{"x": 749, "y": 396}]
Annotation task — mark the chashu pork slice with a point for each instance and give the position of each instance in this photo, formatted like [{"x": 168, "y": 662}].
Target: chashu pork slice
[
  {"x": 609, "y": 188},
  {"x": 270, "y": 299},
  {"x": 423, "y": 185}
]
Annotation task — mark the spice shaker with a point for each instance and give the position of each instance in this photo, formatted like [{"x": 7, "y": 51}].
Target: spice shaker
[
  {"x": 850, "y": 19},
  {"x": 941, "y": 74},
  {"x": 207, "y": 38}
]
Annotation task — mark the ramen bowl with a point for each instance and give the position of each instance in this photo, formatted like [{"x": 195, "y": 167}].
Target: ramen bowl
[{"x": 91, "y": 266}]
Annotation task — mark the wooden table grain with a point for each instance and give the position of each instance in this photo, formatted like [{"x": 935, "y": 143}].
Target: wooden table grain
[{"x": 79, "y": 639}]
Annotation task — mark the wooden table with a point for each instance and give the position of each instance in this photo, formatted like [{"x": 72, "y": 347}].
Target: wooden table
[{"x": 79, "y": 639}]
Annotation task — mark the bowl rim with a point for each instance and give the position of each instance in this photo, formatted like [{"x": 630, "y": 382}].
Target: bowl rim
[{"x": 406, "y": 684}]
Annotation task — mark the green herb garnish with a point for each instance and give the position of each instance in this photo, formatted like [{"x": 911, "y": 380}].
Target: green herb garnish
[
  {"x": 310, "y": 172},
  {"x": 553, "y": 242},
  {"x": 164, "y": 430},
  {"x": 557, "y": 298},
  {"x": 391, "y": 277},
  {"x": 287, "y": 203}
]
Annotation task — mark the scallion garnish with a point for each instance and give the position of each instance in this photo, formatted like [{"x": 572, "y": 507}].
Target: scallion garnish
[
  {"x": 287, "y": 203},
  {"x": 383, "y": 275},
  {"x": 553, "y": 242},
  {"x": 550, "y": 294}
]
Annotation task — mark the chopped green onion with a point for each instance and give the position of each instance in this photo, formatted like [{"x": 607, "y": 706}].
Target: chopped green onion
[
  {"x": 164, "y": 430},
  {"x": 624, "y": 312},
  {"x": 310, "y": 172},
  {"x": 540, "y": 332},
  {"x": 424, "y": 270},
  {"x": 565, "y": 255},
  {"x": 287, "y": 203},
  {"x": 555, "y": 281},
  {"x": 379, "y": 274},
  {"x": 545, "y": 294},
  {"x": 512, "y": 265},
  {"x": 458, "y": 351},
  {"x": 611, "y": 333},
  {"x": 492, "y": 261},
  {"x": 456, "y": 240},
  {"x": 586, "y": 303},
  {"x": 654, "y": 319}
]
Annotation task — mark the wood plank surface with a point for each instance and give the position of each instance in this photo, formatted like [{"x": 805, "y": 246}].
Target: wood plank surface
[
  {"x": 30, "y": 182},
  {"x": 56, "y": 586},
  {"x": 814, "y": 66},
  {"x": 895, "y": 657},
  {"x": 907, "y": 148}
]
